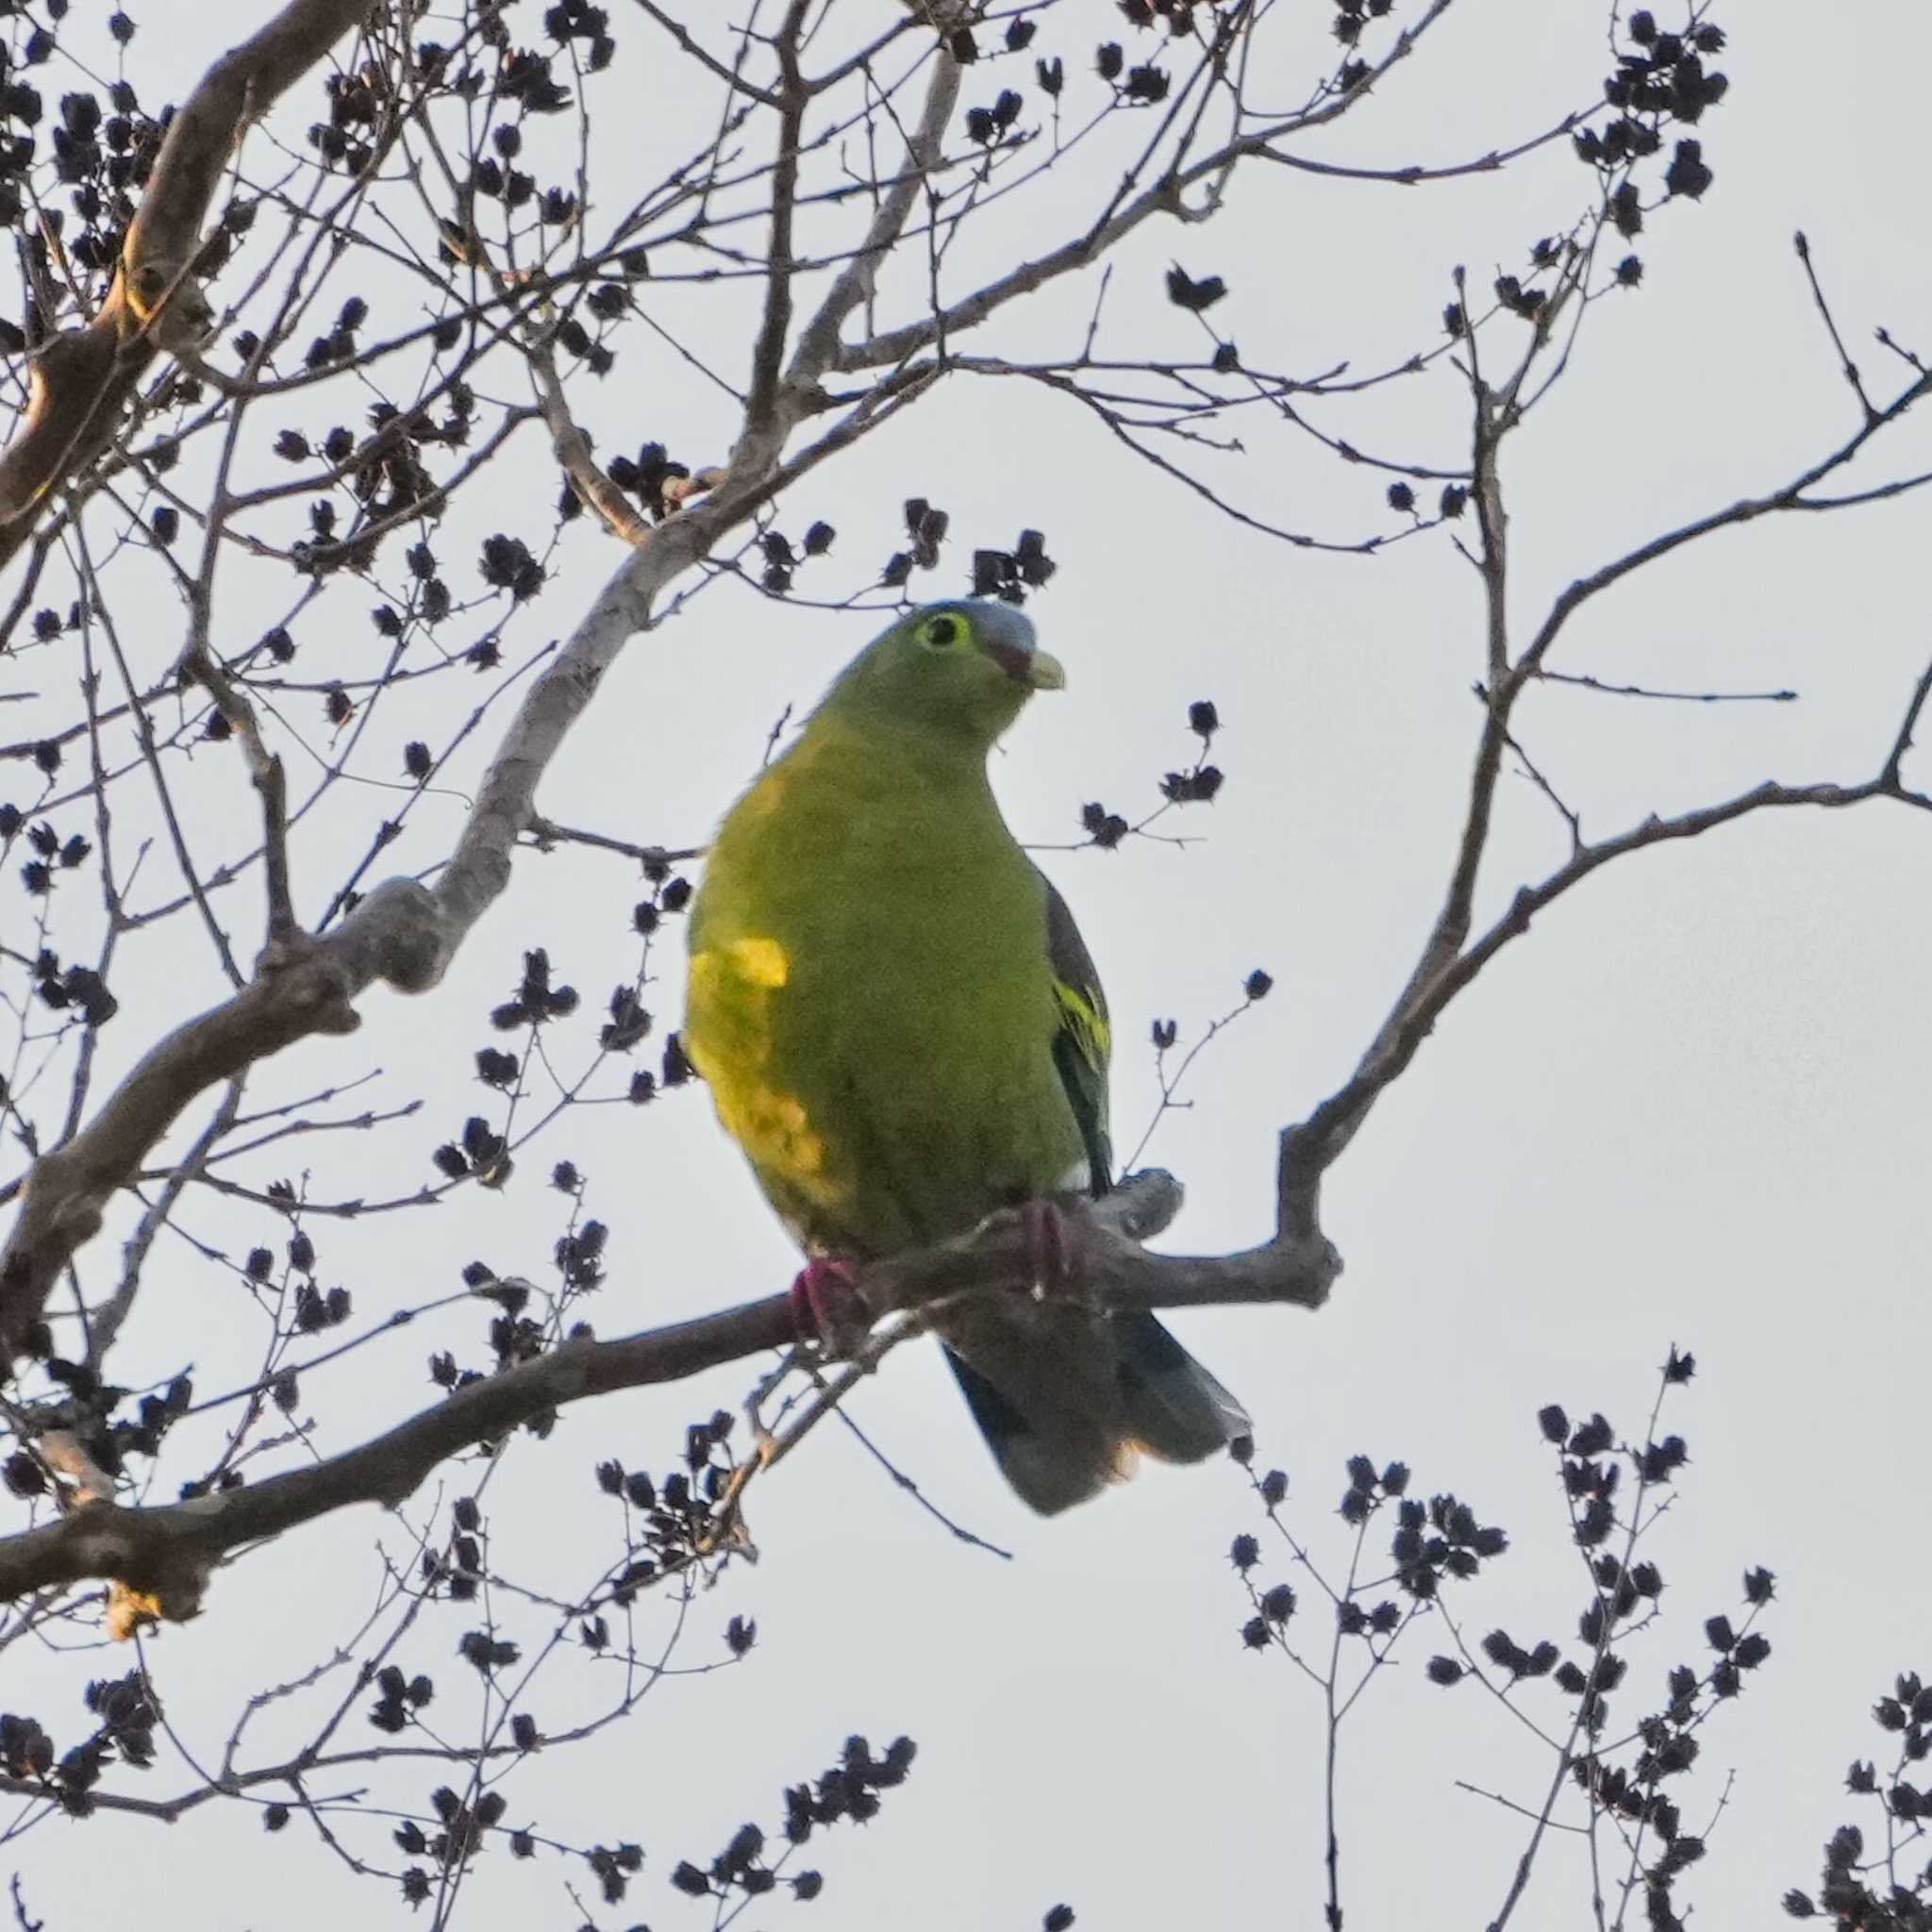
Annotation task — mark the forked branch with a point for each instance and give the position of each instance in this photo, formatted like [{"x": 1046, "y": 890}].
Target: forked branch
[{"x": 165, "y": 1556}]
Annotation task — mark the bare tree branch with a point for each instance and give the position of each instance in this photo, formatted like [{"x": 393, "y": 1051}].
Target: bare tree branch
[
  {"x": 104, "y": 1324},
  {"x": 1416, "y": 1019},
  {"x": 1791, "y": 497},
  {"x": 81, "y": 380},
  {"x": 1165, "y": 196},
  {"x": 1447, "y": 962},
  {"x": 166, "y": 1554},
  {"x": 593, "y": 487}
]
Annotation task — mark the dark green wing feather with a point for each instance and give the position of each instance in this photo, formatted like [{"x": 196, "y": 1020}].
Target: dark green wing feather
[
  {"x": 1067, "y": 1401},
  {"x": 1083, "y": 1040}
]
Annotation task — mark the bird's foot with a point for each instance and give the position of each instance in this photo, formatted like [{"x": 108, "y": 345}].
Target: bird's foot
[
  {"x": 1054, "y": 1247},
  {"x": 826, "y": 1306}
]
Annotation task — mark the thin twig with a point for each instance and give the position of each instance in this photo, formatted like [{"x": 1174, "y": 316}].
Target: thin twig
[
  {"x": 1849, "y": 367},
  {"x": 104, "y": 1324}
]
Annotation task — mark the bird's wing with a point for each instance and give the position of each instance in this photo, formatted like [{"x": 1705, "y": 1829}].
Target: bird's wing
[{"x": 1083, "y": 1042}]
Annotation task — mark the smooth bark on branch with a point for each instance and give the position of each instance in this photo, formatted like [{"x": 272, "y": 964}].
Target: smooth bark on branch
[
  {"x": 79, "y": 382},
  {"x": 165, "y": 1556}
]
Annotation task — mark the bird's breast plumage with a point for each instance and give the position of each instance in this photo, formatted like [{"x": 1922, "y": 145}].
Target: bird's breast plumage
[{"x": 870, "y": 998}]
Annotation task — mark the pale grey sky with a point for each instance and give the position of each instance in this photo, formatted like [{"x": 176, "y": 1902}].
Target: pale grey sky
[{"x": 1691, "y": 1106}]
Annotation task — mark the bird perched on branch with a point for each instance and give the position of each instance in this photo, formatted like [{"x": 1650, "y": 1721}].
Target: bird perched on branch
[{"x": 902, "y": 1029}]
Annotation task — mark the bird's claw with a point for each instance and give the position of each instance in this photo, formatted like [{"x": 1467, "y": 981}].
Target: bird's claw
[
  {"x": 827, "y": 1308},
  {"x": 1055, "y": 1248}
]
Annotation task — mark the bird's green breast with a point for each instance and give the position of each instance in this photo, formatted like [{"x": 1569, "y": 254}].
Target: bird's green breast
[{"x": 870, "y": 999}]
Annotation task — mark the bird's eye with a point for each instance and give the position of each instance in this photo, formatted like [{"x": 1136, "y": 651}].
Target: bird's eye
[{"x": 939, "y": 632}]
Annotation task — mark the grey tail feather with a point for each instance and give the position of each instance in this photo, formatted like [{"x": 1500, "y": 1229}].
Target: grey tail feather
[
  {"x": 1174, "y": 1408},
  {"x": 1161, "y": 1401},
  {"x": 1051, "y": 1464}
]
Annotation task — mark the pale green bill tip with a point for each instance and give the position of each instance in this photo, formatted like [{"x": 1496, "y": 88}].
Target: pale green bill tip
[{"x": 1043, "y": 671}]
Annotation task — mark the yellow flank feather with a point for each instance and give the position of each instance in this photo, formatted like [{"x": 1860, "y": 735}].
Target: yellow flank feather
[
  {"x": 730, "y": 1040},
  {"x": 760, "y": 962}
]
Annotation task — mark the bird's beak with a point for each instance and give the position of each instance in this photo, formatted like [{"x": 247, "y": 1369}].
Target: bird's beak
[{"x": 1043, "y": 671}]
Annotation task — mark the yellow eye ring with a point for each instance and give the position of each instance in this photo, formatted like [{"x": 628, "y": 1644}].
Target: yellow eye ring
[{"x": 941, "y": 632}]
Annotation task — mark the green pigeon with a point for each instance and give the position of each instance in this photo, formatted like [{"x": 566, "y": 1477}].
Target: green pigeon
[{"x": 901, "y": 1027}]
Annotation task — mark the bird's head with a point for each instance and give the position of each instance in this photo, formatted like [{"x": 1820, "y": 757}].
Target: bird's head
[{"x": 958, "y": 671}]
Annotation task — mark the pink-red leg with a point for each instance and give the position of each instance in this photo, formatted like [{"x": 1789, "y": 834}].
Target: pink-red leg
[
  {"x": 825, "y": 1302},
  {"x": 1052, "y": 1244}
]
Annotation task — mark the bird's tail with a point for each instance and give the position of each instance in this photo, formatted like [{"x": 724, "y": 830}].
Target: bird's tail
[{"x": 1069, "y": 1402}]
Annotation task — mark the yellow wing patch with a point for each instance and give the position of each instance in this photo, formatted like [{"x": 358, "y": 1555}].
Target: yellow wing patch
[{"x": 1085, "y": 1021}]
